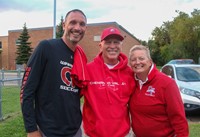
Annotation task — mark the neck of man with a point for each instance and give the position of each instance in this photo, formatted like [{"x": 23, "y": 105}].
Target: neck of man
[{"x": 72, "y": 45}]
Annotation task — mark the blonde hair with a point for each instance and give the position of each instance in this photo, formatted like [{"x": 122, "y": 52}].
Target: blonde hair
[{"x": 140, "y": 47}]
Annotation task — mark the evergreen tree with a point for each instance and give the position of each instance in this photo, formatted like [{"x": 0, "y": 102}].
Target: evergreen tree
[
  {"x": 60, "y": 30},
  {"x": 24, "y": 49}
]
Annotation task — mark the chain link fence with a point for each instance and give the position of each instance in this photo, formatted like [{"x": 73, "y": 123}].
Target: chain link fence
[{"x": 9, "y": 78}]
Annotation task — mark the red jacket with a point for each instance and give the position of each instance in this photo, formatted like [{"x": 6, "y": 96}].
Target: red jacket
[
  {"x": 105, "y": 109},
  {"x": 157, "y": 109}
]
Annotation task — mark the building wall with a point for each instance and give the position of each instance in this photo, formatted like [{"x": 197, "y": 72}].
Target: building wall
[
  {"x": 4, "y": 52},
  {"x": 36, "y": 35},
  {"x": 91, "y": 47},
  {"x": 88, "y": 43}
]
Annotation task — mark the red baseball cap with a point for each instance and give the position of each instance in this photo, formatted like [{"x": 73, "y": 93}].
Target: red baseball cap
[{"x": 111, "y": 31}]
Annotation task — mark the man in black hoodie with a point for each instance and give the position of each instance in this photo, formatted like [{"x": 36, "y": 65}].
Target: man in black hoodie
[{"x": 50, "y": 101}]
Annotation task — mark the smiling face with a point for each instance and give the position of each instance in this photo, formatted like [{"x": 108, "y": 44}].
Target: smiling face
[
  {"x": 140, "y": 62},
  {"x": 74, "y": 28},
  {"x": 111, "y": 48}
]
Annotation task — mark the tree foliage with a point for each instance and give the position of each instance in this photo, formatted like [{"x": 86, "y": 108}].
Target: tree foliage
[
  {"x": 24, "y": 49},
  {"x": 179, "y": 38},
  {"x": 60, "y": 30}
]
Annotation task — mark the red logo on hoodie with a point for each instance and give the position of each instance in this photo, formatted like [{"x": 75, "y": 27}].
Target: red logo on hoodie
[{"x": 65, "y": 75}]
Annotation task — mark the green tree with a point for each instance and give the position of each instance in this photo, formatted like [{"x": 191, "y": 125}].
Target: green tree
[
  {"x": 158, "y": 45},
  {"x": 184, "y": 32},
  {"x": 60, "y": 30},
  {"x": 179, "y": 38},
  {"x": 24, "y": 49}
]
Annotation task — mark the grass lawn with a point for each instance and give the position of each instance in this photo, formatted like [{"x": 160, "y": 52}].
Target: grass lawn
[{"x": 12, "y": 123}]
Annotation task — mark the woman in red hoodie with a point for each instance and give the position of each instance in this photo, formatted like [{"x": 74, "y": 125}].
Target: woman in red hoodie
[
  {"x": 156, "y": 106},
  {"x": 105, "y": 109}
]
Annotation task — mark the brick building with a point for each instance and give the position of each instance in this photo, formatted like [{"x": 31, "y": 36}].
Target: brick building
[
  {"x": 89, "y": 43},
  {"x": 3, "y": 52}
]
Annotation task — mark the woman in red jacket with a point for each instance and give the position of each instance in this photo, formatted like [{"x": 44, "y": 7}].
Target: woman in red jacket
[{"x": 156, "y": 106}]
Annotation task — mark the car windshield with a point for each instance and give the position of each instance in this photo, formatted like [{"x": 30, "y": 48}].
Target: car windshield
[
  {"x": 188, "y": 74},
  {"x": 181, "y": 61}
]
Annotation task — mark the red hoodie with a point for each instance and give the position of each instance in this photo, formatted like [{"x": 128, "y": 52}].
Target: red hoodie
[
  {"x": 157, "y": 108},
  {"x": 105, "y": 109}
]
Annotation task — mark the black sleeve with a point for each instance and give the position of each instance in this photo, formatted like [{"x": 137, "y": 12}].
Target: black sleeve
[{"x": 30, "y": 82}]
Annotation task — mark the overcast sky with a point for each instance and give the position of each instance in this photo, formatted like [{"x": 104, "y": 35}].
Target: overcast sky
[{"x": 139, "y": 17}]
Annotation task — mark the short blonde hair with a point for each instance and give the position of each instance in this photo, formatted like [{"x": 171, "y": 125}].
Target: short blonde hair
[{"x": 140, "y": 47}]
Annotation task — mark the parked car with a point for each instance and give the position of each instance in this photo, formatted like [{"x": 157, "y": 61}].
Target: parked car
[
  {"x": 187, "y": 77},
  {"x": 181, "y": 61}
]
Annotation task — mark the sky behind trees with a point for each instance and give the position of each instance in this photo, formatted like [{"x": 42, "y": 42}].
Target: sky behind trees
[{"x": 139, "y": 17}]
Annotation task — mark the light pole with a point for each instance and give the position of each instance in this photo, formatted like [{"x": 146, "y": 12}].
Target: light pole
[{"x": 54, "y": 19}]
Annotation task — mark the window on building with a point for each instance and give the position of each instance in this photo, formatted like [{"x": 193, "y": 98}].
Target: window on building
[
  {"x": 17, "y": 42},
  {"x": 97, "y": 38}
]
